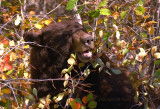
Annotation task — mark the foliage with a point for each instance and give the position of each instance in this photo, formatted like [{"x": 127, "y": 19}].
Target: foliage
[{"x": 130, "y": 30}]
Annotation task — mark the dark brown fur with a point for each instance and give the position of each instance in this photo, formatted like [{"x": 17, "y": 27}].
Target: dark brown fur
[{"x": 52, "y": 47}]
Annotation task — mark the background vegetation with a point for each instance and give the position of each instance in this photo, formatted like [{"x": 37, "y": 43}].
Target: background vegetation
[{"x": 128, "y": 31}]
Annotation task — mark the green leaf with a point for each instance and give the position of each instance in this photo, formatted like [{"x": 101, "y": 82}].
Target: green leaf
[
  {"x": 9, "y": 72},
  {"x": 106, "y": 36},
  {"x": 72, "y": 103},
  {"x": 90, "y": 97},
  {"x": 116, "y": 71},
  {"x": 105, "y": 12},
  {"x": 102, "y": 3},
  {"x": 30, "y": 97},
  {"x": 141, "y": 2},
  {"x": 143, "y": 35},
  {"x": 157, "y": 62},
  {"x": 157, "y": 73},
  {"x": 156, "y": 84},
  {"x": 78, "y": 100},
  {"x": 35, "y": 91},
  {"x": 100, "y": 62},
  {"x": 94, "y": 13},
  {"x": 92, "y": 104},
  {"x": 95, "y": 64},
  {"x": 123, "y": 14},
  {"x": 82, "y": 107},
  {"x": 125, "y": 50},
  {"x": 80, "y": 9},
  {"x": 71, "y": 4},
  {"x": 140, "y": 10}
]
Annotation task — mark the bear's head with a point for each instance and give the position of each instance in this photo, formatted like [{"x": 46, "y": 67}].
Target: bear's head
[{"x": 64, "y": 38}]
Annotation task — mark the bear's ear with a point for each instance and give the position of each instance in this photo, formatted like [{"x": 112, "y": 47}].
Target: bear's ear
[{"x": 31, "y": 37}]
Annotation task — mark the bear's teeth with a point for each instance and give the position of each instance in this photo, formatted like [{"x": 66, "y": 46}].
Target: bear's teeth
[{"x": 88, "y": 54}]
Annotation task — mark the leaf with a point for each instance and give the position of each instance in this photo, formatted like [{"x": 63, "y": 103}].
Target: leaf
[
  {"x": 6, "y": 58},
  {"x": 156, "y": 38},
  {"x": 123, "y": 14},
  {"x": 125, "y": 50},
  {"x": 92, "y": 104},
  {"x": 35, "y": 91},
  {"x": 38, "y": 26},
  {"x": 117, "y": 34},
  {"x": 18, "y": 20},
  {"x": 84, "y": 100},
  {"x": 123, "y": 43},
  {"x": 106, "y": 36},
  {"x": 151, "y": 30},
  {"x": 104, "y": 11},
  {"x": 157, "y": 62},
  {"x": 82, "y": 107},
  {"x": 9, "y": 72},
  {"x": 6, "y": 91},
  {"x": 77, "y": 106},
  {"x": 142, "y": 53},
  {"x": 141, "y": 2},
  {"x": 115, "y": 15},
  {"x": 80, "y": 9},
  {"x": 71, "y": 4},
  {"x": 60, "y": 97},
  {"x": 47, "y": 22},
  {"x": 64, "y": 71},
  {"x": 8, "y": 66},
  {"x": 90, "y": 97},
  {"x": 100, "y": 62},
  {"x": 5, "y": 41},
  {"x": 116, "y": 71},
  {"x": 66, "y": 80},
  {"x": 94, "y": 13},
  {"x": 11, "y": 43},
  {"x": 157, "y": 74},
  {"x": 102, "y": 3},
  {"x": 71, "y": 61},
  {"x": 78, "y": 100},
  {"x": 157, "y": 55},
  {"x": 156, "y": 84},
  {"x": 140, "y": 10},
  {"x": 72, "y": 103},
  {"x": 154, "y": 49},
  {"x": 86, "y": 72},
  {"x": 143, "y": 35}
]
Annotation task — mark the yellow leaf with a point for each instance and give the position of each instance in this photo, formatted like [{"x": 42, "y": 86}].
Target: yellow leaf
[
  {"x": 123, "y": 43},
  {"x": 47, "y": 22},
  {"x": 101, "y": 33},
  {"x": 38, "y": 26},
  {"x": 140, "y": 68},
  {"x": 4, "y": 77},
  {"x": 115, "y": 15},
  {"x": 6, "y": 91},
  {"x": 11, "y": 43},
  {"x": 26, "y": 46},
  {"x": 157, "y": 55},
  {"x": 138, "y": 58},
  {"x": 154, "y": 49},
  {"x": 158, "y": 37},
  {"x": 142, "y": 52},
  {"x": 71, "y": 61},
  {"x": 151, "y": 30},
  {"x": 18, "y": 20}
]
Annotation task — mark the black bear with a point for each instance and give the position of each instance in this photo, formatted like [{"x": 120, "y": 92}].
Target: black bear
[{"x": 51, "y": 48}]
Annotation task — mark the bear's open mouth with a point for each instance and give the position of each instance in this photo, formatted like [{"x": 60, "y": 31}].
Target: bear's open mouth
[
  {"x": 87, "y": 53},
  {"x": 85, "y": 56}
]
